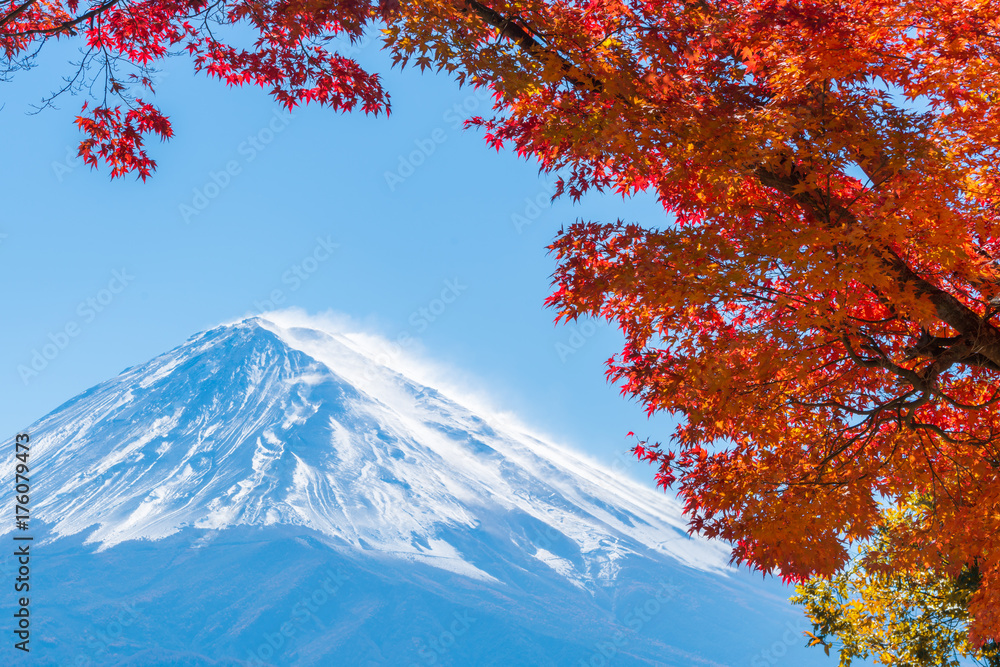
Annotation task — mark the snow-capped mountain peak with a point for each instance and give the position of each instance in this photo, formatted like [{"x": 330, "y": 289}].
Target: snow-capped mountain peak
[
  {"x": 270, "y": 493},
  {"x": 254, "y": 423}
]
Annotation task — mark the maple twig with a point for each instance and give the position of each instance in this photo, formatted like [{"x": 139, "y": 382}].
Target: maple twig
[
  {"x": 16, "y": 12},
  {"x": 67, "y": 26},
  {"x": 520, "y": 36}
]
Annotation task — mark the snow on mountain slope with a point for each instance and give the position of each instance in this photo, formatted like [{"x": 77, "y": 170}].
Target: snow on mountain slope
[
  {"x": 254, "y": 423},
  {"x": 269, "y": 493}
]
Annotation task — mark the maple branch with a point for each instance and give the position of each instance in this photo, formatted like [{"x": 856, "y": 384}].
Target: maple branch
[
  {"x": 67, "y": 26},
  {"x": 17, "y": 12},
  {"x": 980, "y": 338},
  {"x": 507, "y": 27},
  {"x": 527, "y": 42},
  {"x": 979, "y": 341},
  {"x": 882, "y": 362}
]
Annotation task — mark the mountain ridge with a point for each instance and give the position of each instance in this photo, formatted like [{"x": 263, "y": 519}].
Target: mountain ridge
[
  {"x": 274, "y": 446},
  {"x": 221, "y": 479}
]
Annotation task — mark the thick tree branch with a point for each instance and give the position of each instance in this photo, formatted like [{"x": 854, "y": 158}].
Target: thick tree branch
[
  {"x": 17, "y": 12},
  {"x": 68, "y": 26},
  {"x": 519, "y": 35},
  {"x": 980, "y": 337}
]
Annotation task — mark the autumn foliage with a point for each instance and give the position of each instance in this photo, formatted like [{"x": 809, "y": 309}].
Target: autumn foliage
[
  {"x": 895, "y": 616},
  {"x": 819, "y": 308},
  {"x": 124, "y": 39}
]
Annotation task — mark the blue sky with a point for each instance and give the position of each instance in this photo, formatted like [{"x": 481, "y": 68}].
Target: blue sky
[
  {"x": 376, "y": 218},
  {"x": 327, "y": 212}
]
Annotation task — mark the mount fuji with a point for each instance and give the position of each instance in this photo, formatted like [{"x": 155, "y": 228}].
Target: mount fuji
[{"x": 271, "y": 494}]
